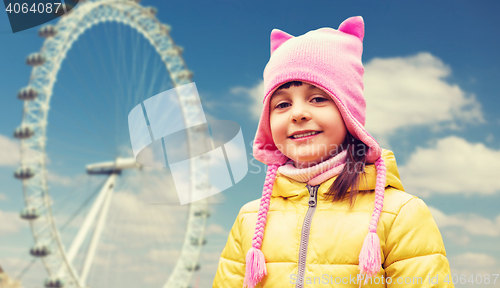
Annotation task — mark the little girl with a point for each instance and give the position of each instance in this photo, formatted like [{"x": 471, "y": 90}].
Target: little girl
[{"x": 311, "y": 135}]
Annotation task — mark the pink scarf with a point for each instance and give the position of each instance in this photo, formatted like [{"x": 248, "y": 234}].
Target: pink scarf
[{"x": 316, "y": 174}]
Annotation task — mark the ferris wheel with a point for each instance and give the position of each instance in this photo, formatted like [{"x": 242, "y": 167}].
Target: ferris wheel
[{"x": 58, "y": 256}]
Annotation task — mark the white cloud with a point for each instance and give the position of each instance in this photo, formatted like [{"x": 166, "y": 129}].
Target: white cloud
[
  {"x": 479, "y": 266},
  {"x": 215, "y": 229},
  {"x": 35, "y": 276},
  {"x": 490, "y": 138},
  {"x": 411, "y": 91},
  {"x": 151, "y": 185},
  {"x": 138, "y": 220},
  {"x": 256, "y": 96},
  {"x": 10, "y": 153},
  {"x": 58, "y": 179},
  {"x": 459, "y": 237},
  {"x": 11, "y": 223},
  {"x": 152, "y": 156},
  {"x": 164, "y": 256},
  {"x": 209, "y": 262},
  {"x": 473, "y": 259},
  {"x": 471, "y": 223},
  {"x": 237, "y": 153},
  {"x": 119, "y": 259},
  {"x": 216, "y": 199},
  {"x": 210, "y": 257},
  {"x": 3, "y": 197},
  {"x": 452, "y": 165}
]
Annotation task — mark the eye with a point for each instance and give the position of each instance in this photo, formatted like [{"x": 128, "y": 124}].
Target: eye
[
  {"x": 319, "y": 99},
  {"x": 282, "y": 105}
]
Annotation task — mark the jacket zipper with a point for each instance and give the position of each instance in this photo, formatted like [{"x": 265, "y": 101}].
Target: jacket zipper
[{"x": 304, "y": 239}]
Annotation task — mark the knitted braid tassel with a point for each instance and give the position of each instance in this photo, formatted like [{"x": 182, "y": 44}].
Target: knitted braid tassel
[
  {"x": 255, "y": 261},
  {"x": 369, "y": 257}
]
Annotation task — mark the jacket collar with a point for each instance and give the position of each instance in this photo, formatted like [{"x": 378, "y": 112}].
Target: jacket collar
[{"x": 287, "y": 187}]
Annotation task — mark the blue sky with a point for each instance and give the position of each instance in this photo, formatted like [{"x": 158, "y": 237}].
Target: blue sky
[{"x": 436, "y": 63}]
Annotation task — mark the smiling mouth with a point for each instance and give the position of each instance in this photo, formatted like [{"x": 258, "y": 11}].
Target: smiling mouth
[{"x": 298, "y": 136}]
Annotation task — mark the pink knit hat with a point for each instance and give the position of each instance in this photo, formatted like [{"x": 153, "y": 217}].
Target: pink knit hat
[{"x": 331, "y": 60}]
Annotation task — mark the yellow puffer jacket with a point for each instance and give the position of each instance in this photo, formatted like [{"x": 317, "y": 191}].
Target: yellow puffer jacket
[{"x": 412, "y": 249}]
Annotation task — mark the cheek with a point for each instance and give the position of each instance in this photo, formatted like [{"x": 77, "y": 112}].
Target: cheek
[
  {"x": 336, "y": 127},
  {"x": 278, "y": 130},
  {"x": 341, "y": 124},
  {"x": 273, "y": 121},
  {"x": 341, "y": 131},
  {"x": 273, "y": 125},
  {"x": 337, "y": 120}
]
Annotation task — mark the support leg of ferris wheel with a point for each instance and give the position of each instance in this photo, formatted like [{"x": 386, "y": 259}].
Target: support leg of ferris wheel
[
  {"x": 97, "y": 233},
  {"x": 111, "y": 168},
  {"x": 89, "y": 219}
]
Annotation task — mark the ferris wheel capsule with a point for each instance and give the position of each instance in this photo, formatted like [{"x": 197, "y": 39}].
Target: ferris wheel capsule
[
  {"x": 35, "y": 59},
  {"x": 24, "y": 173},
  {"x": 180, "y": 49},
  {"x": 30, "y": 213},
  {"x": 200, "y": 128},
  {"x": 172, "y": 52},
  {"x": 23, "y": 132},
  {"x": 203, "y": 186},
  {"x": 40, "y": 250},
  {"x": 164, "y": 28},
  {"x": 27, "y": 93},
  {"x": 185, "y": 74},
  {"x": 47, "y": 31},
  {"x": 205, "y": 156},
  {"x": 202, "y": 213},
  {"x": 193, "y": 268},
  {"x": 54, "y": 282},
  {"x": 196, "y": 241},
  {"x": 152, "y": 10}
]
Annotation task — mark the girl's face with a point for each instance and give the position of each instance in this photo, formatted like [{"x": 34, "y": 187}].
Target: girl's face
[{"x": 296, "y": 112}]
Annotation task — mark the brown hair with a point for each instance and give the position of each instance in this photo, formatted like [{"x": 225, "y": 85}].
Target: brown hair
[{"x": 349, "y": 176}]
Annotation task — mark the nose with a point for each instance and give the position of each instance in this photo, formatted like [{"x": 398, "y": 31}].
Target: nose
[{"x": 300, "y": 113}]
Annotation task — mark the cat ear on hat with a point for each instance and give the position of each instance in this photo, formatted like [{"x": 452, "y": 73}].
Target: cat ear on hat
[
  {"x": 354, "y": 26},
  {"x": 278, "y": 37}
]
